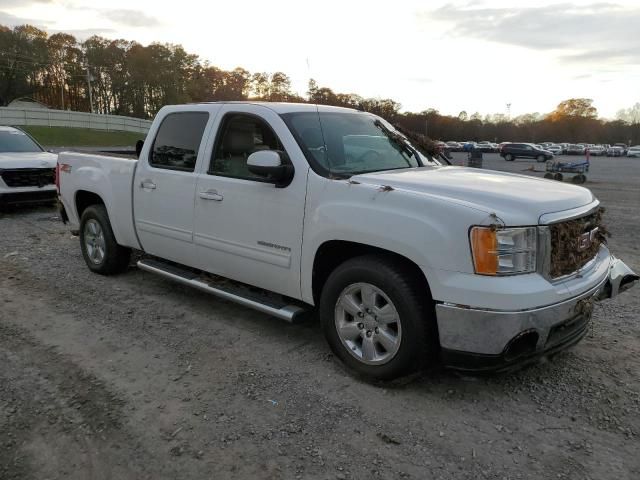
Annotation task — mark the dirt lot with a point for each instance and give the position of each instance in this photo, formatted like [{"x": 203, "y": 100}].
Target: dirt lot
[{"x": 133, "y": 377}]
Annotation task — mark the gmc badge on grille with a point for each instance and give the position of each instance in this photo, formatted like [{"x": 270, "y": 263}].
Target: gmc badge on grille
[{"x": 586, "y": 239}]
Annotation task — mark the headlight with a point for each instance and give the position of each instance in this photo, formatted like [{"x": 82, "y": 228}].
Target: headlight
[{"x": 507, "y": 251}]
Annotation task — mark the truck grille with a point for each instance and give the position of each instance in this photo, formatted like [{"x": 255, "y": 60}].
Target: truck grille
[
  {"x": 28, "y": 177},
  {"x": 576, "y": 242}
]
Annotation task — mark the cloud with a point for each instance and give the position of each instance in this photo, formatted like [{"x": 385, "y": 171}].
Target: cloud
[
  {"x": 130, "y": 18},
  {"x": 12, "y": 20},
  {"x": 21, "y": 3},
  {"x": 588, "y": 33}
]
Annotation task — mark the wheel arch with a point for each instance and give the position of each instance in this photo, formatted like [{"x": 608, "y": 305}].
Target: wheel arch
[
  {"x": 333, "y": 253},
  {"x": 84, "y": 199}
]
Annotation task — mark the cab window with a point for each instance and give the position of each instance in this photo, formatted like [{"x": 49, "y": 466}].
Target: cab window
[
  {"x": 240, "y": 136},
  {"x": 178, "y": 140}
]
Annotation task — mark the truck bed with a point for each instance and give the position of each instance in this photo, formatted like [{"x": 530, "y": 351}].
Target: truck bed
[{"x": 109, "y": 177}]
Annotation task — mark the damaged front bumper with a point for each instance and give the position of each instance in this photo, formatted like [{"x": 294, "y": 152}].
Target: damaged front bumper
[{"x": 496, "y": 340}]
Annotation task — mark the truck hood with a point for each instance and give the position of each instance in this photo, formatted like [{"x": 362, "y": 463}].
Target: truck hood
[
  {"x": 517, "y": 199},
  {"x": 11, "y": 160}
]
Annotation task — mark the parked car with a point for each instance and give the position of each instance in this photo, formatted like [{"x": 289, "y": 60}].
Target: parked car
[
  {"x": 624, "y": 146},
  {"x": 405, "y": 259},
  {"x": 555, "y": 149},
  {"x": 597, "y": 150},
  {"x": 511, "y": 151},
  {"x": 615, "y": 151},
  {"x": 454, "y": 146},
  {"x": 576, "y": 149},
  {"x": 485, "y": 147},
  {"x": 26, "y": 169},
  {"x": 634, "y": 151}
]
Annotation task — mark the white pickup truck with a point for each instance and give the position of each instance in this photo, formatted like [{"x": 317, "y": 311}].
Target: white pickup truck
[{"x": 289, "y": 207}]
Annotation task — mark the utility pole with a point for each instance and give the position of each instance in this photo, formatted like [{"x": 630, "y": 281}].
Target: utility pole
[
  {"x": 426, "y": 127},
  {"x": 509, "y": 111},
  {"x": 89, "y": 86}
]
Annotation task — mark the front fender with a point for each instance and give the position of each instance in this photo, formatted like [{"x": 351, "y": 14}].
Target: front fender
[{"x": 430, "y": 232}]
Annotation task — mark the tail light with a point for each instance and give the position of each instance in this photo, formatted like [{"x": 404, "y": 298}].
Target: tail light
[
  {"x": 57, "y": 177},
  {"x": 61, "y": 167}
]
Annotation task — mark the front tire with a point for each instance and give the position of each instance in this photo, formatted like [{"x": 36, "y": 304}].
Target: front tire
[
  {"x": 101, "y": 252},
  {"x": 378, "y": 318},
  {"x": 509, "y": 158},
  {"x": 541, "y": 158}
]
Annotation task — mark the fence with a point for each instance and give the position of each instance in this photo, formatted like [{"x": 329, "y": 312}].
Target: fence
[{"x": 63, "y": 118}]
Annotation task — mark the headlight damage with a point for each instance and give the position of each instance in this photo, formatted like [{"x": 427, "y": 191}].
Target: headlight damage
[{"x": 507, "y": 251}]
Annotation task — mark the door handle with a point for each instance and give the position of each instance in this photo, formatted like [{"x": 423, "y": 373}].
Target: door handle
[
  {"x": 148, "y": 184},
  {"x": 211, "y": 195}
]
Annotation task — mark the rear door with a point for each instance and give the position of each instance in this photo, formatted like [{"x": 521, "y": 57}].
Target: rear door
[{"x": 164, "y": 185}]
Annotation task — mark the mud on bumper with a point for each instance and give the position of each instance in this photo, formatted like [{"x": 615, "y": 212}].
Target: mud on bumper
[{"x": 521, "y": 337}]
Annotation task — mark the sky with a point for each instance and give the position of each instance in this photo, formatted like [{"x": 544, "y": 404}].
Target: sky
[{"x": 475, "y": 55}]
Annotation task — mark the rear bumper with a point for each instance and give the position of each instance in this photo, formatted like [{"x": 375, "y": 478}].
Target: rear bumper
[
  {"x": 27, "y": 196},
  {"x": 519, "y": 337}
]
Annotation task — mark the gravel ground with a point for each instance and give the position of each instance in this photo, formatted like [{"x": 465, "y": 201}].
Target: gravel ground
[{"x": 133, "y": 377}]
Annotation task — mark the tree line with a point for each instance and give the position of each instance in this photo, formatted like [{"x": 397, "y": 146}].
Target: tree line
[{"x": 123, "y": 77}]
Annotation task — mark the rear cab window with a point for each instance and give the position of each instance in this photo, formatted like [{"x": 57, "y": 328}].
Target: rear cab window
[{"x": 177, "y": 142}]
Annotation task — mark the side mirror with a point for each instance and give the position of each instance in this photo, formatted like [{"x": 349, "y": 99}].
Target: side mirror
[
  {"x": 139, "y": 145},
  {"x": 269, "y": 164}
]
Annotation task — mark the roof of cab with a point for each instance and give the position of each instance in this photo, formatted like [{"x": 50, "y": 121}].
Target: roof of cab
[{"x": 279, "y": 107}]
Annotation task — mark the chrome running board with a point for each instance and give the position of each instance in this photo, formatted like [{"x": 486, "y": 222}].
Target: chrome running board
[{"x": 266, "y": 303}]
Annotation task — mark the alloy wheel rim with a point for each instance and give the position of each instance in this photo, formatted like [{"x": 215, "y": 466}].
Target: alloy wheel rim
[
  {"x": 368, "y": 324},
  {"x": 94, "y": 241}
]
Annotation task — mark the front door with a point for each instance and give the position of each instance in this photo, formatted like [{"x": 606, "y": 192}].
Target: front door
[
  {"x": 164, "y": 186},
  {"x": 246, "y": 229}
]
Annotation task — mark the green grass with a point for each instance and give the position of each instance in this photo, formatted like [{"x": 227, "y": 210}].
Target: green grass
[{"x": 82, "y": 137}]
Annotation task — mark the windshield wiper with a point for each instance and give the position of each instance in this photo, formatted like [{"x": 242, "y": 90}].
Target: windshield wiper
[
  {"x": 399, "y": 141},
  {"x": 424, "y": 144}
]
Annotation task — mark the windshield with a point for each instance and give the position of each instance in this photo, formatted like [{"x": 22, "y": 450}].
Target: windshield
[
  {"x": 17, "y": 141},
  {"x": 346, "y": 144}
]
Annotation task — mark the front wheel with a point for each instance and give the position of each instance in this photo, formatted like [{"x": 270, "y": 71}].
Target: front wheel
[
  {"x": 541, "y": 158},
  {"x": 378, "y": 318},
  {"x": 508, "y": 157},
  {"x": 101, "y": 252}
]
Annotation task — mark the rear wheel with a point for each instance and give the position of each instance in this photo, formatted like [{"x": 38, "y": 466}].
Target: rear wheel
[
  {"x": 558, "y": 176},
  {"x": 509, "y": 158},
  {"x": 377, "y": 318},
  {"x": 548, "y": 175},
  {"x": 101, "y": 252}
]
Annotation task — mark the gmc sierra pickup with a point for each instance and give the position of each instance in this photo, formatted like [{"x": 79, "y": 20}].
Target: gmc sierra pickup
[{"x": 287, "y": 207}]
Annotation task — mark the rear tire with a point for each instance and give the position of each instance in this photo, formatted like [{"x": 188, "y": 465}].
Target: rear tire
[
  {"x": 509, "y": 158},
  {"x": 378, "y": 318},
  {"x": 101, "y": 252},
  {"x": 548, "y": 176},
  {"x": 558, "y": 177}
]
